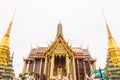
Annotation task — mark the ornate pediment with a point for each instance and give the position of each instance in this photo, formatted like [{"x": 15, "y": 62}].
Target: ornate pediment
[{"x": 59, "y": 46}]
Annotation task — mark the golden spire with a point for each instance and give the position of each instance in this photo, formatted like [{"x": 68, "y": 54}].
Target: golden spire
[
  {"x": 111, "y": 41},
  {"x": 5, "y": 39},
  {"x": 10, "y": 25},
  {"x": 4, "y": 46},
  {"x": 59, "y": 29},
  {"x": 108, "y": 30}
]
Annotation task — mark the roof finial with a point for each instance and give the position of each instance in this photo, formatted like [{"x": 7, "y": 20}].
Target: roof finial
[
  {"x": 37, "y": 45},
  {"x": 12, "y": 54},
  {"x": 48, "y": 44},
  {"x": 88, "y": 47},
  {"x": 108, "y": 30}
]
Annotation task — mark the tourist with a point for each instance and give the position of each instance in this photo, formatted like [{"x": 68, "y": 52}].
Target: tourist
[
  {"x": 59, "y": 77},
  {"x": 43, "y": 78},
  {"x": 69, "y": 76},
  {"x": 38, "y": 77}
]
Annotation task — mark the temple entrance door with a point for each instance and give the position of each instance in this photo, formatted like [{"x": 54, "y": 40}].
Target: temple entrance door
[
  {"x": 59, "y": 71},
  {"x": 60, "y": 66}
]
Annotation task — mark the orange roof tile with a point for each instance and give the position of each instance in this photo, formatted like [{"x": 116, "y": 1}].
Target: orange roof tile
[
  {"x": 42, "y": 49},
  {"x": 85, "y": 51},
  {"x": 75, "y": 49}
]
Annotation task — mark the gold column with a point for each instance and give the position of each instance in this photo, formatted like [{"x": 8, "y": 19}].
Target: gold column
[
  {"x": 71, "y": 68},
  {"x": 52, "y": 67},
  {"x": 24, "y": 68},
  {"x": 48, "y": 75},
  {"x": 67, "y": 64},
  {"x": 85, "y": 75},
  {"x": 74, "y": 68},
  {"x": 45, "y": 65},
  {"x": 94, "y": 66},
  {"x": 78, "y": 69},
  {"x": 40, "y": 67},
  {"x": 28, "y": 65}
]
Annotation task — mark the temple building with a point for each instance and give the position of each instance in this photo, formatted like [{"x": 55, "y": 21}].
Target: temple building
[
  {"x": 114, "y": 71},
  {"x": 6, "y": 62},
  {"x": 59, "y": 60}
]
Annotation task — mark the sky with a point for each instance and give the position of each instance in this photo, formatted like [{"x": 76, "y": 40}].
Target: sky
[{"x": 35, "y": 23}]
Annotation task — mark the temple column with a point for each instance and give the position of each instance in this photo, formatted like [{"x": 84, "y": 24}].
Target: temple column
[
  {"x": 67, "y": 64},
  {"x": 48, "y": 71},
  {"x": 28, "y": 65},
  {"x": 93, "y": 66},
  {"x": 74, "y": 68},
  {"x": 85, "y": 75},
  {"x": 90, "y": 68},
  {"x": 45, "y": 69},
  {"x": 52, "y": 67},
  {"x": 40, "y": 67},
  {"x": 24, "y": 68},
  {"x": 78, "y": 69},
  {"x": 34, "y": 66},
  {"x": 71, "y": 68}
]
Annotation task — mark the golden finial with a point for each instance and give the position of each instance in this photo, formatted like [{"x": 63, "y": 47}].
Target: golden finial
[
  {"x": 108, "y": 30},
  {"x": 111, "y": 41},
  {"x": 10, "y": 25},
  {"x": 59, "y": 29},
  {"x": 87, "y": 47},
  {"x": 48, "y": 44}
]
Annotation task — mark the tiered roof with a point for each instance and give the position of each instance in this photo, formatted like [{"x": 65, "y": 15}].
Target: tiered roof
[{"x": 39, "y": 53}]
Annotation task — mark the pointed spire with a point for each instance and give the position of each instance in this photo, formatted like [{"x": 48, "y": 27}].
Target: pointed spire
[
  {"x": 37, "y": 48},
  {"x": 108, "y": 30},
  {"x": 59, "y": 29},
  {"x": 5, "y": 39},
  {"x": 10, "y": 25},
  {"x": 111, "y": 41},
  {"x": 31, "y": 47}
]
